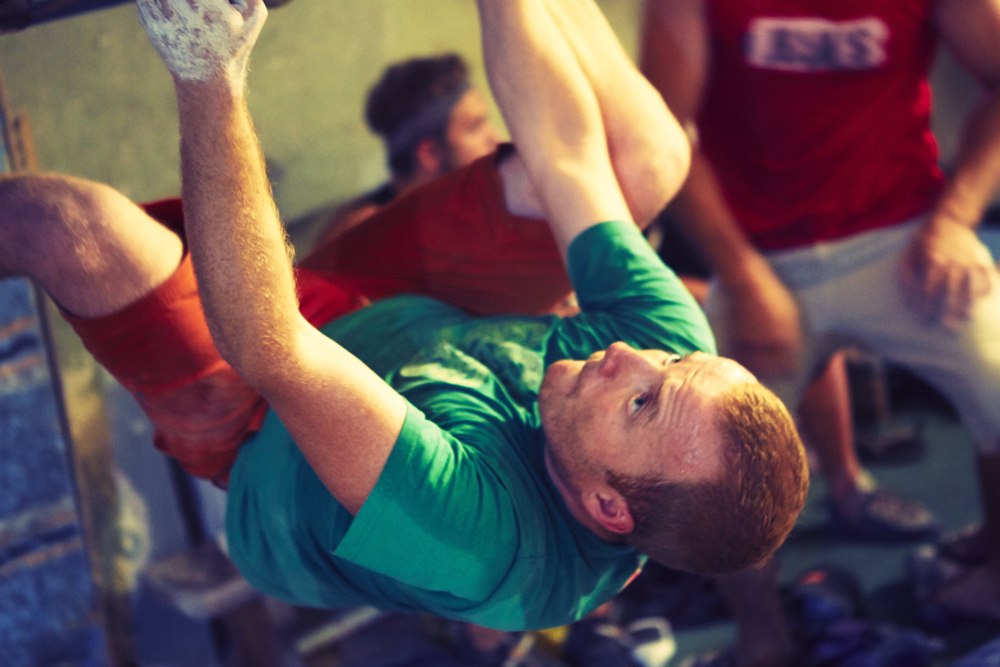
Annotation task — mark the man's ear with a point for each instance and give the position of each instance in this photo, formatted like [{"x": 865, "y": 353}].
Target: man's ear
[
  {"x": 610, "y": 509},
  {"x": 430, "y": 156}
]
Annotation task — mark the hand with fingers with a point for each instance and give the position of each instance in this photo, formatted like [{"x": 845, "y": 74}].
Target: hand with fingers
[
  {"x": 204, "y": 40},
  {"x": 946, "y": 270}
]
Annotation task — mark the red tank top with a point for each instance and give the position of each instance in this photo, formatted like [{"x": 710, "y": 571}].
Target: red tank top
[{"x": 817, "y": 115}]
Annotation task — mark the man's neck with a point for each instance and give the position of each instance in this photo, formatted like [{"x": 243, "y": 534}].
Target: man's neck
[
  {"x": 574, "y": 505},
  {"x": 403, "y": 185}
]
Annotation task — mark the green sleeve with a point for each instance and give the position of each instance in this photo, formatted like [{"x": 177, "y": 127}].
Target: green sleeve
[
  {"x": 429, "y": 516},
  {"x": 626, "y": 293}
]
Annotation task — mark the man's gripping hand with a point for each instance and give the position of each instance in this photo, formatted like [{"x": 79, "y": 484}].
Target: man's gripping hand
[{"x": 204, "y": 40}]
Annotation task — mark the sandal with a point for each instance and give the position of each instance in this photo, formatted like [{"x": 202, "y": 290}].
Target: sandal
[
  {"x": 884, "y": 516},
  {"x": 929, "y": 573},
  {"x": 967, "y": 545}
]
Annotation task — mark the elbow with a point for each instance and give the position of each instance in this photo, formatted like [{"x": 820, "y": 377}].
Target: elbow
[
  {"x": 675, "y": 163},
  {"x": 262, "y": 360},
  {"x": 253, "y": 363},
  {"x": 657, "y": 175}
]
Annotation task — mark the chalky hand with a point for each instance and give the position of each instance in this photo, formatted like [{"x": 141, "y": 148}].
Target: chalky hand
[{"x": 204, "y": 40}]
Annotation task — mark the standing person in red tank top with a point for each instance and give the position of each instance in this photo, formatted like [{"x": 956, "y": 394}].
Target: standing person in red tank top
[{"x": 816, "y": 198}]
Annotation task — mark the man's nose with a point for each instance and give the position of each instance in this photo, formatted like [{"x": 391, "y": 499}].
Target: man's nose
[{"x": 623, "y": 357}]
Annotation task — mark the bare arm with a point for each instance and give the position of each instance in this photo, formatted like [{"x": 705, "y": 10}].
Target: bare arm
[
  {"x": 343, "y": 417},
  {"x": 758, "y": 313},
  {"x": 553, "y": 116},
  {"x": 948, "y": 268},
  {"x": 971, "y": 29},
  {"x": 649, "y": 150},
  {"x": 674, "y": 55}
]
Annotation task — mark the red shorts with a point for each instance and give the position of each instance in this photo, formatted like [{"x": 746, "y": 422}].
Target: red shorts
[
  {"x": 160, "y": 349},
  {"x": 452, "y": 240}
]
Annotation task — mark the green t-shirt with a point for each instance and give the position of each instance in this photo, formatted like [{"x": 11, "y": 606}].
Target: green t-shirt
[{"x": 464, "y": 521}]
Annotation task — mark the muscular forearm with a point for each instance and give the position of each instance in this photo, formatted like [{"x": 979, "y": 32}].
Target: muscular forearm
[
  {"x": 343, "y": 417},
  {"x": 234, "y": 235},
  {"x": 702, "y": 216},
  {"x": 649, "y": 150},
  {"x": 236, "y": 239},
  {"x": 552, "y": 114}
]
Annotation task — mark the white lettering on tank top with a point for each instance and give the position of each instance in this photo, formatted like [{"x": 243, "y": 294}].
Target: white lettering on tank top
[{"x": 816, "y": 45}]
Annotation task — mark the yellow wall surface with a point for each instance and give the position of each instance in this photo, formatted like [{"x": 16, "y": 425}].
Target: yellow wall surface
[{"x": 101, "y": 104}]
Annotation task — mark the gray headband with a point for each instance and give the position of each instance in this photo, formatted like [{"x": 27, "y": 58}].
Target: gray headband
[{"x": 430, "y": 121}]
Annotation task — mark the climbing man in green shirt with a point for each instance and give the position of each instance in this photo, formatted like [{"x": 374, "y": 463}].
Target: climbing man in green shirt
[{"x": 510, "y": 471}]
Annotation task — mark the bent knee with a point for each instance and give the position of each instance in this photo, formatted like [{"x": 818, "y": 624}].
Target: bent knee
[
  {"x": 87, "y": 244},
  {"x": 652, "y": 169},
  {"x": 40, "y": 211},
  {"x": 55, "y": 209}
]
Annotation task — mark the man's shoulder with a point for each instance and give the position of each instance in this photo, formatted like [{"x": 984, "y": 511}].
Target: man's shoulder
[{"x": 349, "y": 215}]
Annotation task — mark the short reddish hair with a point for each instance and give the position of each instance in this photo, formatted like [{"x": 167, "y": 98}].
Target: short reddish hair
[{"x": 737, "y": 521}]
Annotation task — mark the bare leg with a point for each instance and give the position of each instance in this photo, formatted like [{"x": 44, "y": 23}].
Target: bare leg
[
  {"x": 825, "y": 413},
  {"x": 826, "y": 421},
  {"x": 554, "y": 118},
  {"x": 617, "y": 116},
  {"x": 90, "y": 248}
]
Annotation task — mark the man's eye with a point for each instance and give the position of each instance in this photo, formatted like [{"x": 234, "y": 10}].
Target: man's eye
[
  {"x": 637, "y": 402},
  {"x": 671, "y": 359}
]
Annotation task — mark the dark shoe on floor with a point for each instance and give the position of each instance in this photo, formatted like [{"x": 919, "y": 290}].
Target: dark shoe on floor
[
  {"x": 820, "y": 597},
  {"x": 928, "y": 573},
  {"x": 884, "y": 517},
  {"x": 687, "y": 599},
  {"x": 861, "y": 643},
  {"x": 967, "y": 545}
]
